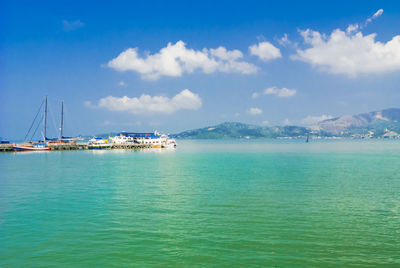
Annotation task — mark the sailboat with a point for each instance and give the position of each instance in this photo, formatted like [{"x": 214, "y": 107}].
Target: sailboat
[
  {"x": 35, "y": 146},
  {"x": 62, "y": 139}
]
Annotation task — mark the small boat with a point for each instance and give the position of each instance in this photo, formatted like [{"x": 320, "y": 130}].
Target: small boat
[
  {"x": 35, "y": 146},
  {"x": 98, "y": 144},
  {"x": 169, "y": 143},
  {"x": 31, "y": 147}
]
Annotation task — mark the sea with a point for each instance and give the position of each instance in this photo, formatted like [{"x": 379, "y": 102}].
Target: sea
[{"x": 229, "y": 203}]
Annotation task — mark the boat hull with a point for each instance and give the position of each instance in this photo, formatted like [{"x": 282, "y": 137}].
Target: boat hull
[
  {"x": 99, "y": 147},
  {"x": 21, "y": 148}
]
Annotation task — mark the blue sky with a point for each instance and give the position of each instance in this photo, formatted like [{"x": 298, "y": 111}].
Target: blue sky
[{"x": 226, "y": 61}]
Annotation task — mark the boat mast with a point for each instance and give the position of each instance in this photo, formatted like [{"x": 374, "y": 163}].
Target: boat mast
[
  {"x": 62, "y": 120},
  {"x": 45, "y": 119}
]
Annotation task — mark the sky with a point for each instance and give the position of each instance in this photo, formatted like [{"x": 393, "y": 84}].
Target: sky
[{"x": 178, "y": 65}]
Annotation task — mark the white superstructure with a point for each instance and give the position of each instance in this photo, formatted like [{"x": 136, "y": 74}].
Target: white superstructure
[{"x": 155, "y": 140}]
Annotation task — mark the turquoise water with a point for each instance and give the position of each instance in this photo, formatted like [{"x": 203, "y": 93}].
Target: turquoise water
[{"x": 208, "y": 203}]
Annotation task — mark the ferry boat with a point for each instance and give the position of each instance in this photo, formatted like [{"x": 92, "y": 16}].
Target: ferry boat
[
  {"x": 152, "y": 139},
  {"x": 98, "y": 144}
]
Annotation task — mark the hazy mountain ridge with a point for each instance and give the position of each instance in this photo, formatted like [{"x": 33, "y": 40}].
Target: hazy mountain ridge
[
  {"x": 229, "y": 130},
  {"x": 384, "y": 123},
  {"x": 378, "y": 122}
]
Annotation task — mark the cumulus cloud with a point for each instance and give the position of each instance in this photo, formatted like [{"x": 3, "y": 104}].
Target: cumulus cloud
[
  {"x": 280, "y": 92},
  {"x": 175, "y": 60},
  {"x": 121, "y": 84},
  {"x": 350, "y": 52},
  {"x": 265, "y": 51},
  {"x": 146, "y": 104},
  {"x": 69, "y": 26},
  {"x": 255, "y": 111},
  {"x": 312, "y": 120}
]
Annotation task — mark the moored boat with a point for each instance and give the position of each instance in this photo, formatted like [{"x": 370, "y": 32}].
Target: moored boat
[
  {"x": 169, "y": 143},
  {"x": 98, "y": 144},
  {"x": 46, "y": 143},
  {"x": 37, "y": 146},
  {"x": 150, "y": 139},
  {"x": 30, "y": 147}
]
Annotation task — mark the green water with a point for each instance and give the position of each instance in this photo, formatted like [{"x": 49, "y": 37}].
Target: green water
[{"x": 230, "y": 203}]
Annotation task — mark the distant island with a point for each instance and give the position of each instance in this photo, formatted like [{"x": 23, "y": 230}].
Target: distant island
[{"x": 378, "y": 124}]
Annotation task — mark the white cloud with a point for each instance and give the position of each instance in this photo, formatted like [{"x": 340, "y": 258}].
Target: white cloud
[
  {"x": 265, "y": 123},
  {"x": 286, "y": 122},
  {"x": 146, "y": 104},
  {"x": 121, "y": 84},
  {"x": 373, "y": 17},
  {"x": 351, "y": 55},
  {"x": 284, "y": 41},
  {"x": 175, "y": 59},
  {"x": 358, "y": 26},
  {"x": 280, "y": 92},
  {"x": 265, "y": 51},
  {"x": 350, "y": 52},
  {"x": 312, "y": 120},
  {"x": 69, "y": 26},
  {"x": 352, "y": 28},
  {"x": 255, "y": 111},
  {"x": 255, "y": 95},
  {"x": 89, "y": 104}
]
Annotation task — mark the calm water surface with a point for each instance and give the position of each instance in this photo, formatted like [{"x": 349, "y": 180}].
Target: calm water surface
[{"x": 208, "y": 203}]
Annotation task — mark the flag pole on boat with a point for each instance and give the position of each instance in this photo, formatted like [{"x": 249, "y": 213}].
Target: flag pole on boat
[
  {"x": 45, "y": 119},
  {"x": 62, "y": 120}
]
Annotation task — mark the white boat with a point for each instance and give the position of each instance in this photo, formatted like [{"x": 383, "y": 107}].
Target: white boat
[
  {"x": 98, "y": 144},
  {"x": 154, "y": 140},
  {"x": 170, "y": 143}
]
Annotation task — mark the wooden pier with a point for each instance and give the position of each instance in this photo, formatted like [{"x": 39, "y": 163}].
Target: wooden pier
[{"x": 80, "y": 146}]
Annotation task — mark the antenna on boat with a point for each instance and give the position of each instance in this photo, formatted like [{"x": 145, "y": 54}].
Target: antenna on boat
[
  {"x": 45, "y": 119},
  {"x": 62, "y": 120}
]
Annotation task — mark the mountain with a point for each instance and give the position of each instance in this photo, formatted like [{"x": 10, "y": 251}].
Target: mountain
[
  {"x": 377, "y": 123},
  {"x": 230, "y": 130},
  {"x": 384, "y": 123}
]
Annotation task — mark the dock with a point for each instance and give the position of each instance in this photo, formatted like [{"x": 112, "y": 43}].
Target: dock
[
  {"x": 80, "y": 146},
  {"x": 6, "y": 147}
]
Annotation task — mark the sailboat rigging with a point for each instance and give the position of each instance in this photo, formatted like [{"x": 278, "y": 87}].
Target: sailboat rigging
[
  {"x": 43, "y": 145},
  {"x": 35, "y": 146}
]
